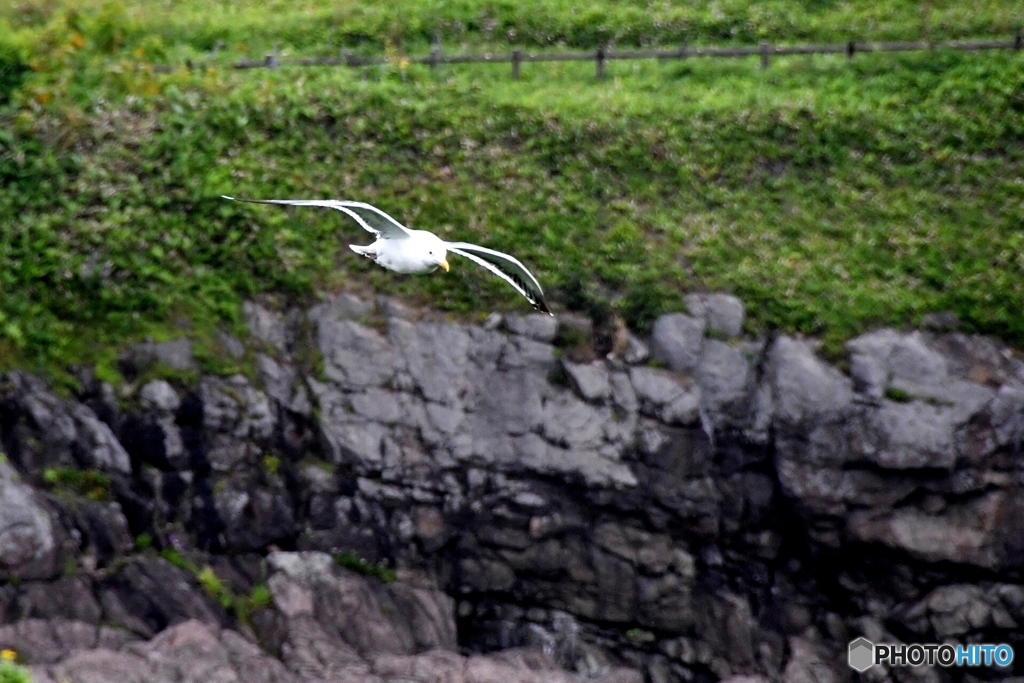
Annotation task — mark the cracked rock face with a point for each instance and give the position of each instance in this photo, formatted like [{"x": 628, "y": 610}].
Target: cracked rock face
[
  {"x": 327, "y": 623},
  {"x": 739, "y": 510},
  {"x": 27, "y": 544}
]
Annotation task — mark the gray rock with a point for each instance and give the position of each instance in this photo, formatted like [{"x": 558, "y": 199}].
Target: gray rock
[
  {"x": 377, "y": 404},
  {"x": 149, "y": 594},
  {"x": 266, "y": 325},
  {"x": 391, "y": 308},
  {"x": 354, "y": 356},
  {"x": 809, "y": 663},
  {"x": 591, "y": 380},
  {"x": 725, "y": 621},
  {"x": 238, "y": 420},
  {"x": 973, "y": 532},
  {"x": 436, "y": 356},
  {"x": 348, "y": 440},
  {"x": 278, "y": 378},
  {"x": 616, "y": 585},
  {"x": 511, "y": 666},
  {"x": 159, "y": 395},
  {"x": 676, "y": 339},
  {"x": 979, "y": 359},
  {"x": 231, "y": 345},
  {"x": 623, "y": 394},
  {"x": 885, "y": 356},
  {"x": 954, "y": 611},
  {"x": 723, "y": 313},
  {"x": 525, "y": 353},
  {"x": 636, "y": 350},
  {"x": 28, "y": 548},
  {"x": 1007, "y": 415},
  {"x": 191, "y": 651},
  {"x": 723, "y": 375},
  {"x": 651, "y": 552},
  {"x": 160, "y": 400},
  {"x": 103, "y": 529},
  {"x": 912, "y": 359},
  {"x": 485, "y": 575},
  {"x": 60, "y": 433},
  {"x": 493, "y": 321},
  {"x": 598, "y": 468},
  {"x": 508, "y": 402},
  {"x": 383, "y": 619},
  {"x": 671, "y": 398},
  {"x": 97, "y": 445},
  {"x": 803, "y": 386},
  {"x": 344, "y": 306},
  {"x": 539, "y": 326},
  {"x": 233, "y": 406},
  {"x": 176, "y": 354},
  {"x": 67, "y": 598},
  {"x": 44, "y": 641},
  {"x": 912, "y": 435},
  {"x": 571, "y": 423}
]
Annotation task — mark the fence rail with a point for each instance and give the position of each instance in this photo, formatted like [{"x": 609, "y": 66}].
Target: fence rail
[{"x": 601, "y": 55}]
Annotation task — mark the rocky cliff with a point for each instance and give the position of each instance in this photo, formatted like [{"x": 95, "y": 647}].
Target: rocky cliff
[{"x": 384, "y": 497}]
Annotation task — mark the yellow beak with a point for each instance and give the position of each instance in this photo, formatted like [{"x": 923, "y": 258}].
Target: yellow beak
[{"x": 444, "y": 264}]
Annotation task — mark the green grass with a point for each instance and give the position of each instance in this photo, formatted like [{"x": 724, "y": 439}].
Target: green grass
[
  {"x": 898, "y": 395},
  {"x": 831, "y": 195},
  {"x": 248, "y": 26},
  {"x": 92, "y": 484},
  {"x": 349, "y": 560},
  {"x": 241, "y": 606}
]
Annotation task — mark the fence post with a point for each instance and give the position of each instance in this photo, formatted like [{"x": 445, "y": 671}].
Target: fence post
[
  {"x": 766, "y": 51},
  {"x": 926, "y": 22},
  {"x": 1018, "y": 41},
  {"x": 517, "y": 57},
  {"x": 600, "y": 62},
  {"x": 682, "y": 51},
  {"x": 435, "y": 54},
  {"x": 271, "y": 61},
  {"x": 851, "y": 47}
]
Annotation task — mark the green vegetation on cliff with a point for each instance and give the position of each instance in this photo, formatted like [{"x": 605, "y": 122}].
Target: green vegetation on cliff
[{"x": 829, "y": 194}]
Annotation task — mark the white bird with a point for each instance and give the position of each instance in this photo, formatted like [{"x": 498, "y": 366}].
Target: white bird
[{"x": 414, "y": 252}]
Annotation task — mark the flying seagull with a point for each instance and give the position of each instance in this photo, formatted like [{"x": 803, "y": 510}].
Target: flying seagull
[{"x": 408, "y": 251}]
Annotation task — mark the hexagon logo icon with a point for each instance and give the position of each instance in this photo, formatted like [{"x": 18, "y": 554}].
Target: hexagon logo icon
[{"x": 862, "y": 654}]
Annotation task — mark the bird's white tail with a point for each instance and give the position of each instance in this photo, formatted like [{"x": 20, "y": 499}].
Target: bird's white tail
[{"x": 366, "y": 251}]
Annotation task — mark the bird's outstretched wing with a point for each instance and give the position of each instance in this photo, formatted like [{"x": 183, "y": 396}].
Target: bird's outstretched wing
[
  {"x": 369, "y": 217},
  {"x": 507, "y": 268}
]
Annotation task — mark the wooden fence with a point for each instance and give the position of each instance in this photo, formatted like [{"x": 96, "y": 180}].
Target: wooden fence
[{"x": 602, "y": 55}]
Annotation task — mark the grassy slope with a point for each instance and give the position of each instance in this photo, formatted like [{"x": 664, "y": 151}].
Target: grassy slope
[
  {"x": 329, "y": 24},
  {"x": 830, "y": 196}
]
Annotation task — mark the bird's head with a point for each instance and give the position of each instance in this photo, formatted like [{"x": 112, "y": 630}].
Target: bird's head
[{"x": 438, "y": 254}]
